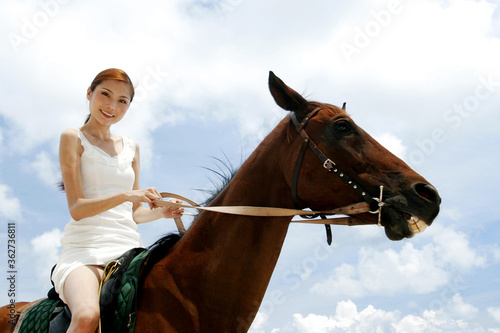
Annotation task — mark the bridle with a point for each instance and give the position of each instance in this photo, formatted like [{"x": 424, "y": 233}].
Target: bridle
[{"x": 375, "y": 203}]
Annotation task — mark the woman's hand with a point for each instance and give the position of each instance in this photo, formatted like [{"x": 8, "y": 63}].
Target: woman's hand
[
  {"x": 148, "y": 195},
  {"x": 172, "y": 212}
]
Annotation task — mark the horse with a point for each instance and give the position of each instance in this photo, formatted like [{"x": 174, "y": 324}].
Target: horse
[{"x": 213, "y": 279}]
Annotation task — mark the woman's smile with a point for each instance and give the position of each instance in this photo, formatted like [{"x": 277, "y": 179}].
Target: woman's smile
[{"x": 108, "y": 115}]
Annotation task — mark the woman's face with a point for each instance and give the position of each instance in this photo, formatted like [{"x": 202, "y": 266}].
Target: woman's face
[{"x": 109, "y": 101}]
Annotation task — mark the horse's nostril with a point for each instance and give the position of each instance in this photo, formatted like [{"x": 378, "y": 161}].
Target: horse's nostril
[{"x": 428, "y": 192}]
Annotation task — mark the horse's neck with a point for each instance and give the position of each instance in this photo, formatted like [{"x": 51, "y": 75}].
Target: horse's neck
[{"x": 224, "y": 263}]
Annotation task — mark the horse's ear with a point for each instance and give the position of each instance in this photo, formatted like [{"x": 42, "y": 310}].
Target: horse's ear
[{"x": 285, "y": 97}]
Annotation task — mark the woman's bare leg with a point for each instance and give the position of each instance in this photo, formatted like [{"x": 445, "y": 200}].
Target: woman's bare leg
[{"x": 81, "y": 291}]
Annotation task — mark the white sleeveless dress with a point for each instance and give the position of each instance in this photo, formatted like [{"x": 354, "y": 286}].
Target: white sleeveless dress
[{"x": 98, "y": 239}]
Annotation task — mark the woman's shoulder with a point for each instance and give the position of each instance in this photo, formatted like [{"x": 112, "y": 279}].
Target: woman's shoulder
[
  {"x": 70, "y": 134},
  {"x": 71, "y": 141},
  {"x": 71, "y": 131},
  {"x": 72, "y": 137}
]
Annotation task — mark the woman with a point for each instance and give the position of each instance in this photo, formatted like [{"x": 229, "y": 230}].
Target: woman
[{"x": 101, "y": 177}]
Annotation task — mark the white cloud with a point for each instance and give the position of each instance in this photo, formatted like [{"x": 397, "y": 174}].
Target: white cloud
[
  {"x": 495, "y": 251},
  {"x": 211, "y": 75},
  {"x": 425, "y": 66},
  {"x": 418, "y": 271},
  {"x": 10, "y": 206},
  {"x": 454, "y": 214},
  {"x": 311, "y": 323},
  {"x": 1, "y": 143},
  {"x": 45, "y": 169},
  {"x": 420, "y": 49},
  {"x": 258, "y": 323},
  {"x": 45, "y": 249},
  {"x": 453, "y": 249},
  {"x": 460, "y": 310},
  {"x": 494, "y": 312},
  {"x": 344, "y": 281},
  {"x": 347, "y": 318},
  {"x": 436, "y": 321},
  {"x": 393, "y": 144},
  {"x": 387, "y": 272}
]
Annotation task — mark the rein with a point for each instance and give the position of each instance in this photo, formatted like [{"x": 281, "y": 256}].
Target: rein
[
  {"x": 356, "y": 208},
  {"x": 370, "y": 205}
]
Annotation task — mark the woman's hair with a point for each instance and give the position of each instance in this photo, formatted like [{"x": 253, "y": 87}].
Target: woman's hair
[{"x": 112, "y": 74}]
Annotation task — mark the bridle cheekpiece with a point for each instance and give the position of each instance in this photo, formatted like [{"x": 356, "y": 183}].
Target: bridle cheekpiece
[{"x": 376, "y": 204}]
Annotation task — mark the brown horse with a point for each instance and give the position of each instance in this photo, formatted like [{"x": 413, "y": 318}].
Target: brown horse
[{"x": 214, "y": 278}]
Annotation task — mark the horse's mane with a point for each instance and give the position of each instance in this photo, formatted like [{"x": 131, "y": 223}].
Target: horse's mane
[{"x": 225, "y": 173}]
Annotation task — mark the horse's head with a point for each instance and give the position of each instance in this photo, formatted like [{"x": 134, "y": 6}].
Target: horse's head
[{"x": 412, "y": 203}]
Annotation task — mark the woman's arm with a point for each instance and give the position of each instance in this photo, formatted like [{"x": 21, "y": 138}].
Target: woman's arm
[
  {"x": 70, "y": 152},
  {"x": 142, "y": 214}
]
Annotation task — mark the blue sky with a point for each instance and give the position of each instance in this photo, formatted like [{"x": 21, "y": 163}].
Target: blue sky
[{"x": 420, "y": 76}]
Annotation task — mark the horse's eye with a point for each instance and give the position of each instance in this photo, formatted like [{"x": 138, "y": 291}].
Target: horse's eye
[{"x": 343, "y": 126}]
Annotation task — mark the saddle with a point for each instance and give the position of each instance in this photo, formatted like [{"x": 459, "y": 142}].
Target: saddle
[{"x": 117, "y": 300}]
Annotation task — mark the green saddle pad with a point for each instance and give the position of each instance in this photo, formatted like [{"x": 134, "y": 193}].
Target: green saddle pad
[
  {"x": 37, "y": 319},
  {"x": 119, "y": 315}
]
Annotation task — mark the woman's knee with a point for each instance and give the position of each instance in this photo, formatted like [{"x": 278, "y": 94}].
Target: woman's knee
[{"x": 86, "y": 316}]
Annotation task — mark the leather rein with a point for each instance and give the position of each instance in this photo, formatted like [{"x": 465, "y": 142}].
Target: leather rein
[{"x": 370, "y": 204}]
